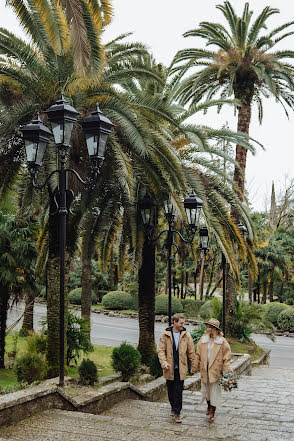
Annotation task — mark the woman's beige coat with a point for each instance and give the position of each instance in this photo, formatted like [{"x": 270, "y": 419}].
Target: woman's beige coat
[
  {"x": 186, "y": 348},
  {"x": 219, "y": 360}
]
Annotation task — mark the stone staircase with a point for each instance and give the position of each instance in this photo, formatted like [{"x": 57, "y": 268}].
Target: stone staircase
[{"x": 261, "y": 409}]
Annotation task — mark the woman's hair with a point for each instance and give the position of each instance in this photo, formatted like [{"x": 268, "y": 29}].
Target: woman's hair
[{"x": 216, "y": 332}]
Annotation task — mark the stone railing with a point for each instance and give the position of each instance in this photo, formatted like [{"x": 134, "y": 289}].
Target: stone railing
[{"x": 21, "y": 404}]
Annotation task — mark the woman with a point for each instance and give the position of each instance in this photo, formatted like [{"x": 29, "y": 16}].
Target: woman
[{"x": 214, "y": 355}]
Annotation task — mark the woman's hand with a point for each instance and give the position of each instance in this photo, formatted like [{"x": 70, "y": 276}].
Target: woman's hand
[{"x": 165, "y": 366}]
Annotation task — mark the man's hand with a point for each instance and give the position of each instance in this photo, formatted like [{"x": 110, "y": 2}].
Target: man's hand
[{"x": 165, "y": 366}]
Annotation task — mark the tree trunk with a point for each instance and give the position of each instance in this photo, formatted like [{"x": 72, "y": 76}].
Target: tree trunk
[
  {"x": 182, "y": 283},
  {"x": 271, "y": 291},
  {"x": 282, "y": 290},
  {"x": 4, "y": 298},
  {"x": 250, "y": 287},
  {"x": 146, "y": 345},
  {"x": 28, "y": 317},
  {"x": 244, "y": 115},
  {"x": 86, "y": 300},
  {"x": 264, "y": 291},
  {"x": 195, "y": 283},
  {"x": 201, "y": 277},
  {"x": 230, "y": 300},
  {"x": 211, "y": 274}
]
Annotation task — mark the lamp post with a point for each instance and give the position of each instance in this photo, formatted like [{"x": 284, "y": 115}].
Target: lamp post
[
  {"x": 192, "y": 205},
  {"x": 36, "y": 137},
  {"x": 204, "y": 246}
]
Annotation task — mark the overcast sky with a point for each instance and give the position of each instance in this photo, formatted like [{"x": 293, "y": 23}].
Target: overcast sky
[{"x": 160, "y": 25}]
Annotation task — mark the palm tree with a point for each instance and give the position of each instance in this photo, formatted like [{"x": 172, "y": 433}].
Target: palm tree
[
  {"x": 17, "y": 253},
  {"x": 243, "y": 65}
]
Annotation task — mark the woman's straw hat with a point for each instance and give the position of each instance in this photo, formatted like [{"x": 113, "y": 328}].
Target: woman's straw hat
[{"x": 213, "y": 322}]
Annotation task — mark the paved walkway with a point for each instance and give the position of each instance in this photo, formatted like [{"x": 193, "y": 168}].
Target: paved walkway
[{"x": 262, "y": 409}]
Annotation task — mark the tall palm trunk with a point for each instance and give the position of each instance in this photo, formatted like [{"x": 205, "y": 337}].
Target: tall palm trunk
[
  {"x": 244, "y": 114},
  {"x": 86, "y": 300},
  {"x": 146, "y": 344},
  {"x": 28, "y": 316},
  {"x": 250, "y": 287},
  {"x": 201, "y": 277},
  {"x": 4, "y": 298},
  {"x": 271, "y": 291}
]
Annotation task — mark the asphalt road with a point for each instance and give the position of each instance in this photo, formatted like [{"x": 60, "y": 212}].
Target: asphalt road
[{"x": 111, "y": 331}]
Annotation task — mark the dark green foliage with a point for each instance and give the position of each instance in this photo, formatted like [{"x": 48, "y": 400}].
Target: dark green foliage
[
  {"x": 206, "y": 310},
  {"x": 75, "y": 297},
  {"x": 88, "y": 372},
  {"x": 286, "y": 320},
  {"x": 77, "y": 340},
  {"x": 273, "y": 310},
  {"x": 191, "y": 307},
  {"x": 100, "y": 294},
  {"x": 29, "y": 367},
  {"x": 161, "y": 305},
  {"x": 99, "y": 280},
  {"x": 197, "y": 333},
  {"x": 241, "y": 325},
  {"x": 117, "y": 300},
  {"x": 126, "y": 359},
  {"x": 155, "y": 367},
  {"x": 37, "y": 343}
]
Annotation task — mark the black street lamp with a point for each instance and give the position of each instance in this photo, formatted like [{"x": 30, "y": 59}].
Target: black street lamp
[
  {"x": 37, "y": 136},
  {"x": 147, "y": 206},
  {"x": 192, "y": 205},
  {"x": 204, "y": 246}
]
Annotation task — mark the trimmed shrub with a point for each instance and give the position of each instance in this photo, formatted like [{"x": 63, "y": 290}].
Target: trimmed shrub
[
  {"x": 161, "y": 305},
  {"x": 273, "y": 310},
  {"x": 117, "y": 300},
  {"x": 88, "y": 372},
  {"x": 155, "y": 367},
  {"x": 206, "y": 310},
  {"x": 75, "y": 297},
  {"x": 191, "y": 307},
  {"x": 286, "y": 320},
  {"x": 29, "y": 367},
  {"x": 126, "y": 359}
]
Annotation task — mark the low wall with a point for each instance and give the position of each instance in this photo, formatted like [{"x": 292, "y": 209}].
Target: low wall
[{"x": 19, "y": 405}]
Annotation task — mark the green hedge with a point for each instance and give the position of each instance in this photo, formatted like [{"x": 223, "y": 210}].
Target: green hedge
[
  {"x": 118, "y": 300},
  {"x": 273, "y": 310},
  {"x": 286, "y": 320},
  {"x": 206, "y": 310},
  {"x": 161, "y": 305},
  {"x": 191, "y": 307},
  {"x": 75, "y": 297}
]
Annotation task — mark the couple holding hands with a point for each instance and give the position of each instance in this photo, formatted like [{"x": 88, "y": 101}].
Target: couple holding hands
[{"x": 213, "y": 356}]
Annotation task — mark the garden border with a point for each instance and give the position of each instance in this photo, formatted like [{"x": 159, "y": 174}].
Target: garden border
[{"x": 19, "y": 405}]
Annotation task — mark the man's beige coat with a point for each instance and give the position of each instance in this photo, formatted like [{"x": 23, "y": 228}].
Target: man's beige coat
[
  {"x": 219, "y": 359},
  {"x": 186, "y": 348}
]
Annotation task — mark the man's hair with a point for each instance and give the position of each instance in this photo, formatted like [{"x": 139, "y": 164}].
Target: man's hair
[{"x": 177, "y": 317}]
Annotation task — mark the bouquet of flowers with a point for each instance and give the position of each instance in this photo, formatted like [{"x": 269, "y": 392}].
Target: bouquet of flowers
[{"x": 228, "y": 381}]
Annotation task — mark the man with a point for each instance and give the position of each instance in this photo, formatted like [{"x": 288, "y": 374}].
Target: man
[{"x": 174, "y": 347}]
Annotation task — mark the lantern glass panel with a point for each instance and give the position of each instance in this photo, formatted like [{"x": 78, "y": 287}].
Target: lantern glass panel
[
  {"x": 40, "y": 152},
  {"x": 146, "y": 216},
  {"x": 68, "y": 127},
  {"x": 91, "y": 141},
  {"x": 168, "y": 207},
  {"x": 102, "y": 144},
  {"x": 204, "y": 242},
  {"x": 31, "y": 150},
  {"x": 57, "y": 130},
  {"x": 188, "y": 213}
]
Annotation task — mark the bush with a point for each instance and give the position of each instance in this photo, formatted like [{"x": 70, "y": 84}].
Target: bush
[
  {"x": 100, "y": 294},
  {"x": 29, "y": 367},
  {"x": 206, "y": 310},
  {"x": 286, "y": 320},
  {"x": 197, "y": 333},
  {"x": 273, "y": 310},
  {"x": 126, "y": 359},
  {"x": 75, "y": 297},
  {"x": 37, "y": 343},
  {"x": 117, "y": 300},
  {"x": 161, "y": 305},
  {"x": 88, "y": 372},
  {"x": 78, "y": 340},
  {"x": 155, "y": 367},
  {"x": 191, "y": 307}
]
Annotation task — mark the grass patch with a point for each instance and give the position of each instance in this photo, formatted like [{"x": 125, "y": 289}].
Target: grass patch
[
  {"x": 101, "y": 357},
  {"x": 252, "y": 349}
]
